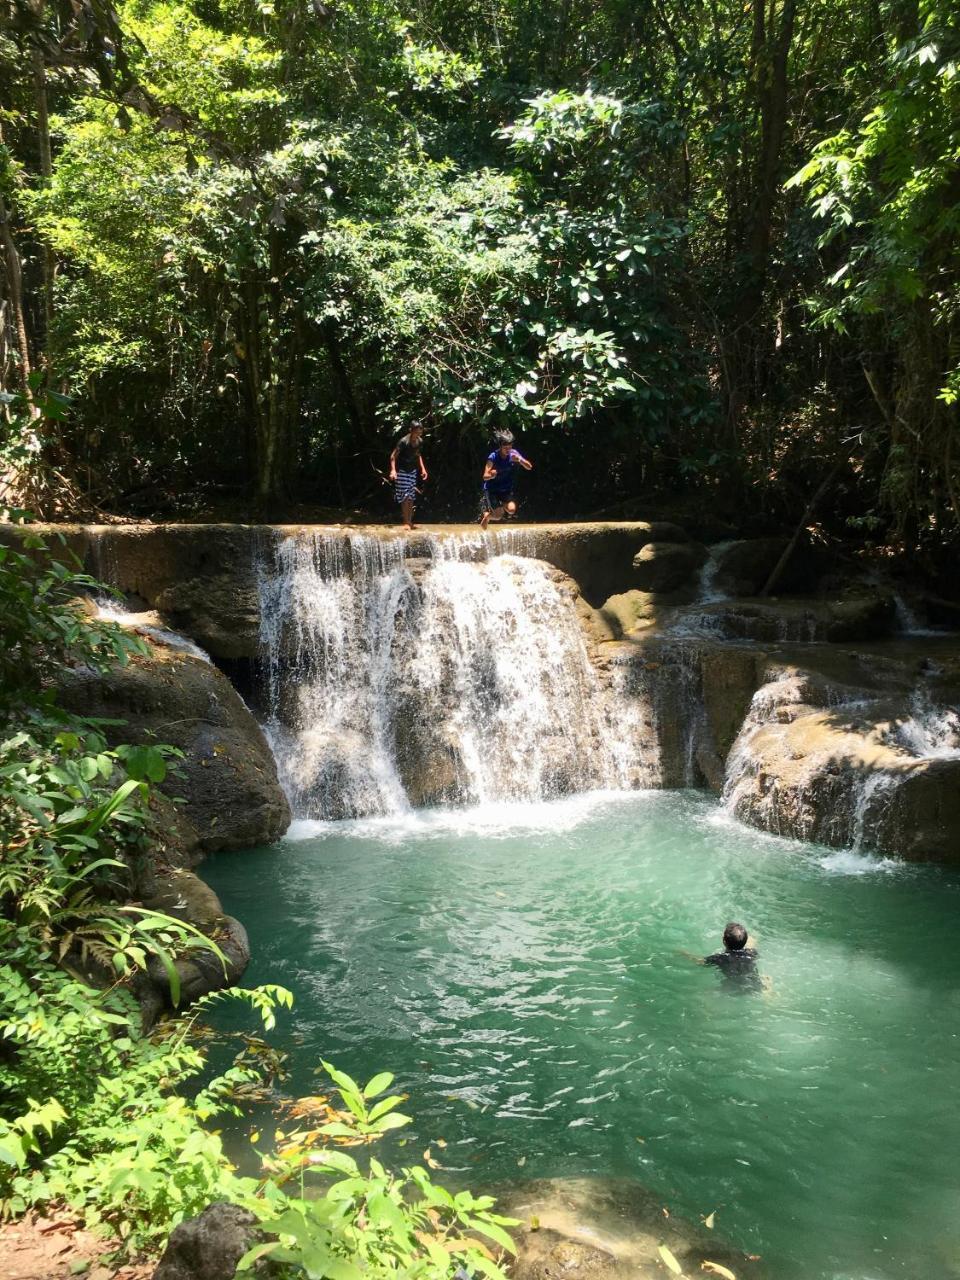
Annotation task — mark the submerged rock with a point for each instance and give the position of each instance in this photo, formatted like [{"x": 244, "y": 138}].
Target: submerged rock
[
  {"x": 607, "y": 1229},
  {"x": 227, "y": 777}
]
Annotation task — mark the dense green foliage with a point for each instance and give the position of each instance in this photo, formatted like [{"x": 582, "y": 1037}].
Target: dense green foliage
[{"x": 256, "y": 239}]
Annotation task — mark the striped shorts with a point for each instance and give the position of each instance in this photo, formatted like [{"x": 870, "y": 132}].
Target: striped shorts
[{"x": 406, "y": 486}]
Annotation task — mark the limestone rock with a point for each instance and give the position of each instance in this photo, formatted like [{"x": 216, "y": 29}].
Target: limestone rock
[
  {"x": 598, "y": 557},
  {"x": 844, "y": 776},
  {"x": 210, "y": 1246},
  {"x": 228, "y": 777},
  {"x": 629, "y": 612},
  {"x": 202, "y": 579},
  {"x": 664, "y": 566},
  {"x": 547, "y": 1255}
]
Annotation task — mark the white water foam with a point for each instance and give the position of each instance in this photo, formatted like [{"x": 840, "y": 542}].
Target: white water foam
[
  {"x": 708, "y": 592},
  {"x": 932, "y": 731},
  {"x": 846, "y": 862},
  {"x": 488, "y": 821}
]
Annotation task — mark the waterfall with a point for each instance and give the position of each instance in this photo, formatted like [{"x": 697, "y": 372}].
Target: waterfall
[{"x": 396, "y": 680}]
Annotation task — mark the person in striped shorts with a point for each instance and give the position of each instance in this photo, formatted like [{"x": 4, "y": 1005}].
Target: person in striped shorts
[{"x": 406, "y": 466}]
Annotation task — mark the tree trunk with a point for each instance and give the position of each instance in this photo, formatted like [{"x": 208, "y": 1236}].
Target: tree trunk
[
  {"x": 14, "y": 281},
  {"x": 46, "y": 172}
]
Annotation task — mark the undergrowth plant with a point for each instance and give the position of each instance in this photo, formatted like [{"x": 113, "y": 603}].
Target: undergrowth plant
[{"x": 363, "y": 1220}]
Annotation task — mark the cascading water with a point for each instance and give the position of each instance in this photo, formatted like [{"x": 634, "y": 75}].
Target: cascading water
[
  {"x": 396, "y": 681},
  {"x": 931, "y": 731}
]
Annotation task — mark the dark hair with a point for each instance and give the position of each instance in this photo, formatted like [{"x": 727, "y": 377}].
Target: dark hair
[
  {"x": 734, "y": 936},
  {"x": 503, "y": 437}
]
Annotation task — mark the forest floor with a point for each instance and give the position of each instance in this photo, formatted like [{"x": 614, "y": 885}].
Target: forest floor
[{"x": 39, "y": 1248}]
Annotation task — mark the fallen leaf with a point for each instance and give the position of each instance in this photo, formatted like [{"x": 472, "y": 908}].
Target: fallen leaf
[
  {"x": 534, "y": 1223},
  {"x": 429, "y": 1160},
  {"x": 665, "y": 1211},
  {"x": 708, "y": 1220},
  {"x": 715, "y": 1269},
  {"x": 669, "y": 1260},
  {"x": 440, "y": 1143},
  {"x": 521, "y": 1162}
]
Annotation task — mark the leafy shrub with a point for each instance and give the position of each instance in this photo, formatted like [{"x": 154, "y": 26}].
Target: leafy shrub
[{"x": 370, "y": 1222}]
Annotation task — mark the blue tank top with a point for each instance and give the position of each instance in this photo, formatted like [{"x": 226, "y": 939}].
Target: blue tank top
[{"x": 505, "y": 469}]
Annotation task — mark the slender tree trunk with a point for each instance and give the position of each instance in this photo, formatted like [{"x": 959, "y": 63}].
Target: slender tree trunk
[
  {"x": 46, "y": 172},
  {"x": 14, "y": 279}
]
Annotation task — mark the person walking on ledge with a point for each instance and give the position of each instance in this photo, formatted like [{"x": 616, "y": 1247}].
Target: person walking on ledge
[
  {"x": 406, "y": 462},
  {"x": 499, "y": 472}
]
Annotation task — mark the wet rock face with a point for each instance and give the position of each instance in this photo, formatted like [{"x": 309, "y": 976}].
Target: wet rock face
[
  {"x": 228, "y": 777},
  {"x": 201, "y": 579}
]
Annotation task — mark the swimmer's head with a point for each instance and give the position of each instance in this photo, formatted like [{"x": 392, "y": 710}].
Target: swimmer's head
[{"x": 734, "y": 936}]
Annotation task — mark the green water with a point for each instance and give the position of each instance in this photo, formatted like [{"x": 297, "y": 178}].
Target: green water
[{"x": 522, "y": 973}]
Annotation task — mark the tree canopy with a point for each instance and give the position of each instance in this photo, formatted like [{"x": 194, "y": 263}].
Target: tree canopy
[{"x": 679, "y": 246}]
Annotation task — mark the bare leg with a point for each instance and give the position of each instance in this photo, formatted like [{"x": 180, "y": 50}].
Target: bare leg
[
  {"x": 495, "y": 514},
  {"x": 406, "y": 513}
]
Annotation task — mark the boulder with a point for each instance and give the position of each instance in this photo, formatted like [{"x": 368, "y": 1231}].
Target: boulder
[
  {"x": 665, "y": 566},
  {"x": 227, "y": 778},
  {"x": 548, "y": 1255},
  {"x": 742, "y": 568},
  {"x": 179, "y": 893},
  {"x": 209, "y": 1247},
  {"x": 629, "y": 612}
]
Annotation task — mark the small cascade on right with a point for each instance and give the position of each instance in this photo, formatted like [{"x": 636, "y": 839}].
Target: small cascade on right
[{"x": 840, "y": 768}]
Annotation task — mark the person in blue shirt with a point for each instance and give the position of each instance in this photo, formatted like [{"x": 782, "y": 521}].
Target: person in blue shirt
[{"x": 499, "y": 473}]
